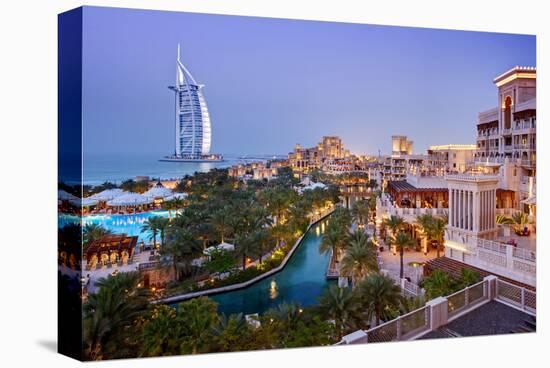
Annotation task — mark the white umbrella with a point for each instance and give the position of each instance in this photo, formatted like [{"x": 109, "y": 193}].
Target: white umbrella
[
  {"x": 129, "y": 199},
  {"x": 158, "y": 192},
  {"x": 107, "y": 194},
  {"x": 84, "y": 202},
  {"x": 65, "y": 196}
]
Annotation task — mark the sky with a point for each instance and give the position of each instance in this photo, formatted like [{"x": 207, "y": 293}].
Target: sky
[{"x": 272, "y": 83}]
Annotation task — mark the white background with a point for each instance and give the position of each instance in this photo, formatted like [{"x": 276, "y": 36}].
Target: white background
[{"x": 28, "y": 139}]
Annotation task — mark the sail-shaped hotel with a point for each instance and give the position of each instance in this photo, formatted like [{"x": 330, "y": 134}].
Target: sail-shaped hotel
[{"x": 193, "y": 130}]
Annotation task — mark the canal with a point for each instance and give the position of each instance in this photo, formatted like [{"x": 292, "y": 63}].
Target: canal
[{"x": 302, "y": 281}]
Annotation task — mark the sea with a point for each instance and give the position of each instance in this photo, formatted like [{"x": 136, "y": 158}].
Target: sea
[{"x": 115, "y": 168}]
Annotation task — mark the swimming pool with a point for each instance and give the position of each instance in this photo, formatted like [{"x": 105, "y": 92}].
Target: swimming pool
[
  {"x": 128, "y": 224},
  {"x": 302, "y": 281}
]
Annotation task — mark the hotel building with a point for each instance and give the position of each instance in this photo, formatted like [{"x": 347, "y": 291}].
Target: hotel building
[
  {"x": 506, "y": 138},
  {"x": 192, "y": 121},
  {"x": 327, "y": 155}
]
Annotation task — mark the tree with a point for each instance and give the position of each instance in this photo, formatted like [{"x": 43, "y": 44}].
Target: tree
[
  {"x": 181, "y": 247},
  {"x": 433, "y": 228},
  {"x": 360, "y": 212},
  {"x": 152, "y": 225},
  {"x": 439, "y": 283},
  {"x": 438, "y": 232},
  {"x": 359, "y": 261},
  {"x": 332, "y": 241},
  {"x": 109, "y": 313},
  {"x": 520, "y": 220},
  {"x": 468, "y": 277},
  {"x": 245, "y": 247},
  {"x": 402, "y": 241},
  {"x": 196, "y": 316},
  {"x": 220, "y": 260},
  {"x": 379, "y": 296},
  {"x": 220, "y": 222},
  {"x": 93, "y": 232},
  {"x": 341, "y": 306},
  {"x": 162, "y": 224},
  {"x": 160, "y": 333},
  {"x": 395, "y": 223},
  {"x": 231, "y": 333}
]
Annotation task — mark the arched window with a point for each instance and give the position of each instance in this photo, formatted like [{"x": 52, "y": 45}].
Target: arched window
[{"x": 507, "y": 112}]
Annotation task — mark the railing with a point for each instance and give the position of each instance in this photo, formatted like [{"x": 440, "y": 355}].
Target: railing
[
  {"x": 525, "y": 254},
  {"x": 516, "y": 296},
  {"x": 463, "y": 299},
  {"x": 492, "y": 245},
  {"x": 416, "y": 211},
  {"x": 440, "y": 311}
]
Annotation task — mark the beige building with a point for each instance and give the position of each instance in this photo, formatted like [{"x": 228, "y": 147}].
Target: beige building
[
  {"x": 506, "y": 138},
  {"x": 330, "y": 148},
  {"x": 450, "y": 158}
]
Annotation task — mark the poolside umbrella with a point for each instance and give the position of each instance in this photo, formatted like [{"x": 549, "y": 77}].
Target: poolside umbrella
[
  {"x": 107, "y": 194},
  {"x": 129, "y": 199},
  {"x": 84, "y": 202},
  {"x": 65, "y": 196},
  {"x": 158, "y": 192}
]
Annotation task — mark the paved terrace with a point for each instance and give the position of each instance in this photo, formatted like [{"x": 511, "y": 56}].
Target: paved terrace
[{"x": 493, "y": 318}]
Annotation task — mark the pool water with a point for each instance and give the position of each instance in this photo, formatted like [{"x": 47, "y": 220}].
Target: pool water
[
  {"x": 302, "y": 281},
  {"x": 128, "y": 224}
]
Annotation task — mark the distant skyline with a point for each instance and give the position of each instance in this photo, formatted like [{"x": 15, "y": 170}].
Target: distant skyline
[{"x": 272, "y": 83}]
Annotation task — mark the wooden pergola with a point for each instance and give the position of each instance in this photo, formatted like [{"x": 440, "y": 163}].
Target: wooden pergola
[
  {"x": 427, "y": 197},
  {"x": 109, "y": 250}
]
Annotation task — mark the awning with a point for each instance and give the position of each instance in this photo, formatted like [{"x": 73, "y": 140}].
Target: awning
[
  {"x": 84, "y": 202},
  {"x": 107, "y": 194},
  {"x": 158, "y": 192},
  {"x": 129, "y": 199}
]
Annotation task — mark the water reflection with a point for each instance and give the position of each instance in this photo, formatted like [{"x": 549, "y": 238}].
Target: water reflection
[{"x": 273, "y": 292}]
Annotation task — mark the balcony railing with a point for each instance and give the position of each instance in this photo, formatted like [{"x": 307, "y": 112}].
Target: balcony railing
[{"x": 440, "y": 311}]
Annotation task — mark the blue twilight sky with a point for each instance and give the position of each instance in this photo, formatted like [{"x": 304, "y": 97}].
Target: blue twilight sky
[{"x": 271, "y": 83}]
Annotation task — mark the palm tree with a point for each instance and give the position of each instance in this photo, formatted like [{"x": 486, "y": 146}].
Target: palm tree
[
  {"x": 357, "y": 237},
  {"x": 437, "y": 231},
  {"x": 162, "y": 224},
  {"x": 360, "y": 212},
  {"x": 231, "y": 333},
  {"x": 197, "y": 316},
  {"x": 402, "y": 241},
  {"x": 439, "y": 283},
  {"x": 520, "y": 219},
  {"x": 261, "y": 238},
  {"x": 379, "y": 295},
  {"x": 340, "y": 305},
  {"x": 152, "y": 225},
  {"x": 394, "y": 223},
  {"x": 221, "y": 222},
  {"x": 110, "y": 312},
  {"x": 332, "y": 241},
  {"x": 160, "y": 333},
  {"x": 246, "y": 247},
  {"x": 359, "y": 261},
  {"x": 181, "y": 247},
  {"x": 93, "y": 232},
  {"x": 468, "y": 277}
]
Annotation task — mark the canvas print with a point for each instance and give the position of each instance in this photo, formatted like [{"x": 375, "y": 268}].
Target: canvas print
[{"x": 234, "y": 183}]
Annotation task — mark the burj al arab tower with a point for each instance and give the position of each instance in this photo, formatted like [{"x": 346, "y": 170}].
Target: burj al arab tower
[{"x": 193, "y": 129}]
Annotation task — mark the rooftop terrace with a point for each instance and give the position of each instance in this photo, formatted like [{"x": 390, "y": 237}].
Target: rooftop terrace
[{"x": 493, "y": 318}]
